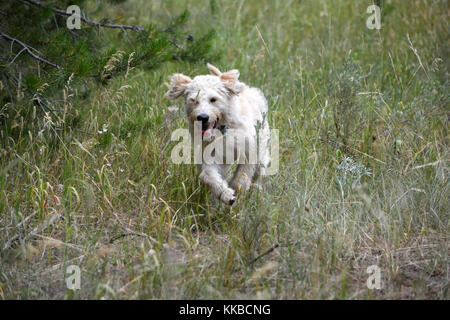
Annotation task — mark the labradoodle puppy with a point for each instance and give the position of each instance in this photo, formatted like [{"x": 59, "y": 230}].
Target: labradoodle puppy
[{"x": 224, "y": 109}]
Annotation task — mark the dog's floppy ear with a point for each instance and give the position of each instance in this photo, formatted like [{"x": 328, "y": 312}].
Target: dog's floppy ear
[
  {"x": 230, "y": 81},
  {"x": 177, "y": 86},
  {"x": 213, "y": 70}
]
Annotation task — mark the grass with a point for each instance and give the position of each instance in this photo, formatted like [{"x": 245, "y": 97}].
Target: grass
[{"x": 363, "y": 180}]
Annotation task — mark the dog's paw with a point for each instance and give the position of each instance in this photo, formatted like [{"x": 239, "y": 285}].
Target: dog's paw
[{"x": 228, "y": 196}]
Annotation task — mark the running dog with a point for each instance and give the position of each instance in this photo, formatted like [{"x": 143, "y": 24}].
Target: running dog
[{"x": 223, "y": 106}]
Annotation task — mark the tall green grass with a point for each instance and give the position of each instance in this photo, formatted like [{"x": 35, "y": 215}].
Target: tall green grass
[{"x": 363, "y": 179}]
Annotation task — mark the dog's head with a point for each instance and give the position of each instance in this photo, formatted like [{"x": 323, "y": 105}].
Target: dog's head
[{"x": 207, "y": 97}]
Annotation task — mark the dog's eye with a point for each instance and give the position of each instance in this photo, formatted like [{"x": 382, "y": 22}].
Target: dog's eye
[
  {"x": 213, "y": 100},
  {"x": 193, "y": 101}
]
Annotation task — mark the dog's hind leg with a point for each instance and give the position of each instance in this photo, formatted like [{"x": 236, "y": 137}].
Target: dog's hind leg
[
  {"x": 260, "y": 171},
  {"x": 262, "y": 165},
  {"x": 247, "y": 164},
  {"x": 263, "y": 151},
  {"x": 212, "y": 176},
  {"x": 243, "y": 177}
]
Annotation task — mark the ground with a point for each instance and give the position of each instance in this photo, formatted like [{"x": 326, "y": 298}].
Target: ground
[{"x": 362, "y": 116}]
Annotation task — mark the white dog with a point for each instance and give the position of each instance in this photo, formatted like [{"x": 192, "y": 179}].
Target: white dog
[{"x": 228, "y": 108}]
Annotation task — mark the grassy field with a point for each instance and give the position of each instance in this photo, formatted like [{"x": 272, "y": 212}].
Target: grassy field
[{"x": 364, "y": 161}]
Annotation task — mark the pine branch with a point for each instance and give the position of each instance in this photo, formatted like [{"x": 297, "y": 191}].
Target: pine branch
[
  {"x": 98, "y": 24},
  {"x": 28, "y": 49},
  {"x": 90, "y": 22}
]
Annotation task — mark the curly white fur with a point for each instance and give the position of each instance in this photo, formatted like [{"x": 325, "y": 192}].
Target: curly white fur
[{"x": 231, "y": 104}]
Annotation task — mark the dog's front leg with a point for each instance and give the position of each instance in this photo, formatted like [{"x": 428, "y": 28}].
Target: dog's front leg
[{"x": 212, "y": 176}]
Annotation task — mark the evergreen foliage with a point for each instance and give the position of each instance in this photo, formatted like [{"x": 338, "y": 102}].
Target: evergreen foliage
[{"x": 39, "y": 55}]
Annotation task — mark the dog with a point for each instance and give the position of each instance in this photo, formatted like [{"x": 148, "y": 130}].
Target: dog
[{"x": 223, "y": 106}]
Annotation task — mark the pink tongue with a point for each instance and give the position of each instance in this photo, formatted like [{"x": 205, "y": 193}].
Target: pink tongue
[{"x": 207, "y": 132}]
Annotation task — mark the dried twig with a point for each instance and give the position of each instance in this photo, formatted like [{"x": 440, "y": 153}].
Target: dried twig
[
  {"x": 90, "y": 22},
  {"x": 99, "y": 24},
  {"x": 348, "y": 149},
  {"x": 28, "y": 49},
  {"x": 35, "y": 231},
  {"x": 416, "y": 53},
  {"x": 129, "y": 233},
  {"x": 276, "y": 245}
]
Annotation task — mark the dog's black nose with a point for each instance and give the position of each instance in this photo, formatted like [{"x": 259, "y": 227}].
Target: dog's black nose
[{"x": 203, "y": 117}]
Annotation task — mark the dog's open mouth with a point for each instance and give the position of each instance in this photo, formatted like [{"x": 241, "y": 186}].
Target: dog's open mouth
[{"x": 208, "y": 127}]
